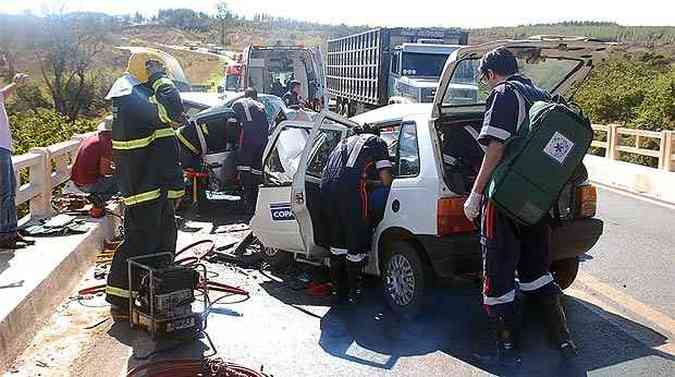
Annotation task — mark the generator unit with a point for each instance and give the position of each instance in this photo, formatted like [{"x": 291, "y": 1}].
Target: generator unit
[{"x": 162, "y": 295}]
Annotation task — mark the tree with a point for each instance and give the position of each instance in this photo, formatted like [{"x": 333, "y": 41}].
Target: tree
[
  {"x": 138, "y": 18},
  {"x": 223, "y": 15},
  {"x": 65, "y": 51}
]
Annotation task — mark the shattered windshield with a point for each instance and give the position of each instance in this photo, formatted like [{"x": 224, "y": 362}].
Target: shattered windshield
[{"x": 465, "y": 90}]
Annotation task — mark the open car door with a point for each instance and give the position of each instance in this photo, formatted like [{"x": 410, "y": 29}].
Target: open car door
[
  {"x": 328, "y": 130},
  {"x": 274, "y": 223}
]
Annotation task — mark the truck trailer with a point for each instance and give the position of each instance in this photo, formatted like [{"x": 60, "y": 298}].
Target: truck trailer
[{"x": 388, "y": 65}]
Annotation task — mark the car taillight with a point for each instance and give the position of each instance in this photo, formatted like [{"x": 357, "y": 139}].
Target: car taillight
[
  {"x": 587, "y": 199},
  {"x": 451, "y": 218}
]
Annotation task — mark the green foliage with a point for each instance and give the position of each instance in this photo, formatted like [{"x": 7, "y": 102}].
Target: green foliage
[
  {"x": 657, "y": 110},
  {"x": 633, "y": 92},
  {"x": 43, "y": 128}
]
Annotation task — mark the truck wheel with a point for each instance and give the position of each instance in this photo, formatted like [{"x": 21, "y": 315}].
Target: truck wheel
[
  {"x": 407, "y": 279},
  {"x": 275, "y": 258},
  {"x": 565, "y": 271}
]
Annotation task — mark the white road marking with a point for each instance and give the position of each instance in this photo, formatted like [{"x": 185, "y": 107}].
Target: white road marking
[{"x": 615, "y": 302}]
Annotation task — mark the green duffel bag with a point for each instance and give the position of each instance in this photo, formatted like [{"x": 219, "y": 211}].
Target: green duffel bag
[{"x": 549, "y": 146}]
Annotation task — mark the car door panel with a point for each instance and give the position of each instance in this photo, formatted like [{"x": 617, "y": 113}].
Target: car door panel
[{"x": 274, "y": 223}]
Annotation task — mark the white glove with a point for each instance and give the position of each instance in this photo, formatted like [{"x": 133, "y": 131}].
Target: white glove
[{"x": 472, "y": 205}]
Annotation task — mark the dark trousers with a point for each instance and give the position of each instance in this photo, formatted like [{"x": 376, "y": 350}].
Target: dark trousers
[
  {"x": 148, "y": 228},
  {"x": 344, "y": 208},
  {"x": 508, "y": 247}
]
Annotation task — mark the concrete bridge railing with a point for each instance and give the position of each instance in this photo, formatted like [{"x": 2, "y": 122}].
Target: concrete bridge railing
[
  {"x": 47, "y": 168},
  {"x": 639, "y": 142}
]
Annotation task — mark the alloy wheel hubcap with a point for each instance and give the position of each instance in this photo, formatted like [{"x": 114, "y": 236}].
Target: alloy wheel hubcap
[{"x": 400, "y": 280}]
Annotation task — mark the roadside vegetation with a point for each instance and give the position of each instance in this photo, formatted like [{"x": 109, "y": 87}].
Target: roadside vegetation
[{"x": 73, "y": 61}]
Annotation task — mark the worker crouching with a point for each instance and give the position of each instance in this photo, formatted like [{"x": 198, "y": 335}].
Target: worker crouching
[
  {"x": 345, "y": 214},
  {"x": 146, "y": 105}
]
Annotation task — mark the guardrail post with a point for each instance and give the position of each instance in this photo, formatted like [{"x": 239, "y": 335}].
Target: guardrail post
[
  {"x": 40, "y": 179},
  {"x": 612, "y": 142},
  {"x": 666, "y": 148}
]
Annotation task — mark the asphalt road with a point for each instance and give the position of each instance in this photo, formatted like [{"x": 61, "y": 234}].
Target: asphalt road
[
  {"x": 636, "y": 253},
  {"x": 620, "y": 331}
]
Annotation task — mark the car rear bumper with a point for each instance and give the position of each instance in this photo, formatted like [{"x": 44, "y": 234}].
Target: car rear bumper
[
  {"x": 454, "y": 255},
  {"x": 575, "y": 238}
]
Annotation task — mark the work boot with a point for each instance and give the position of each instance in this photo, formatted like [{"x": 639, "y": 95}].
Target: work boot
[
  {"x": 556, "y": 322},
  {"x": 338, "y": 278},
  {"x": 507, "y": 354},
  {"x": 354, "y": 270}
]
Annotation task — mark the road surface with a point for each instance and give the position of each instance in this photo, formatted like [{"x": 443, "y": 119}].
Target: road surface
[{"x": 620, "y": 311}]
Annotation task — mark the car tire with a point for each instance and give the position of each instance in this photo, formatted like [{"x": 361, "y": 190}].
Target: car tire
[
  {"x": 565, "y": 271},
  {"x": 407, "y": 279},
  {"x": 275, "y": 258}
]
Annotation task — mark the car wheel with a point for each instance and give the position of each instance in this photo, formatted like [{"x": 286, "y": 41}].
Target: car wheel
[
  {"x": 407, "y": 278},
  {"x": 565, "y": 271},
  {"x": 275, "y": 258}
]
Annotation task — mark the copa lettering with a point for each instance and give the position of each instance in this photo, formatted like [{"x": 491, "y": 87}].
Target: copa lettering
[{"x": 282, "y": 214}]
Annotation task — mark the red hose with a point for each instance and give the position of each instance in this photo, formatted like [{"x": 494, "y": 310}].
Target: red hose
[{"x": 192, "y": 368}]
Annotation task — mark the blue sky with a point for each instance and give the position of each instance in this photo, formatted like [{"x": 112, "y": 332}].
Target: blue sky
[{"x": 392, "y": 13}]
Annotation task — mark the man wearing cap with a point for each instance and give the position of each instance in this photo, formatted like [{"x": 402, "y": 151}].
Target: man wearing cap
[
  {"x": 93, "y": 169},
  {"x": 146, "y": 107},
  {"x": 507, "y": 246},
  {"x": 292, "y": 97}
]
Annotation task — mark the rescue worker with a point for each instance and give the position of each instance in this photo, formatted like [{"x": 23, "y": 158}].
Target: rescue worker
[
  {"x": 277, "y": 87},
  {"x": 292, "y": 97},
  {"x": 254, "y": 133},
  {"x": 345, "y": 213},
  {"x": 146, "y": 106},
  {"x": 93, "y": 170},
  {"x": 507, "y": 246}
]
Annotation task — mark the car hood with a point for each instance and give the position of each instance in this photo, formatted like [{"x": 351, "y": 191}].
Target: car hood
[{"x": 588, "y": 51}]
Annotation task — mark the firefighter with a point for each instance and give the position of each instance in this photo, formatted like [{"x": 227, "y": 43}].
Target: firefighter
[
  {"x": 345, "y": 213},
  {"x": 254, "y": 133},
  {"x": 507, "y": 246},
  {"x": 146, "y": 107}
]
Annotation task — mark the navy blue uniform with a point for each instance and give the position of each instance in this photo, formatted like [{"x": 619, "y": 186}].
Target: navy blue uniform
[
  {"x": 254, "y": 134},
  {"x": 344, "y": 195},
  {"x": 506, "y": 245}
]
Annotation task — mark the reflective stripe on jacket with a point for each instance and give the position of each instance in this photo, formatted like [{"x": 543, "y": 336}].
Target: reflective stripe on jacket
[{"x": 145, "y": 148}]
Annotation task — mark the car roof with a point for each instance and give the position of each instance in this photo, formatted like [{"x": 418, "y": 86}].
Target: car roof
[
  {"x": 202, "y": 98},
  {"x": 392, "y": 112}
]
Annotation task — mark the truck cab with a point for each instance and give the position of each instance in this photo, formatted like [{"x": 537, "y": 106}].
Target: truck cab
[
  {"x": 269, "y": 69},
  {"x": 415, "y": 70}
]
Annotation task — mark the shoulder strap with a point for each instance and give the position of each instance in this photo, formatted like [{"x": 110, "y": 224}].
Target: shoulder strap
[
  {"x": 522, "y": 101},
  {"x": 202, "y": 139}
]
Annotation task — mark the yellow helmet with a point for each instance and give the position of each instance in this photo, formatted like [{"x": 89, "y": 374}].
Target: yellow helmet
[{"x": 138, "y": 60}]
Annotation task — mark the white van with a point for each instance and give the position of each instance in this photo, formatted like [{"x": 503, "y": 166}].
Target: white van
[{"x": 263, "y": 66}]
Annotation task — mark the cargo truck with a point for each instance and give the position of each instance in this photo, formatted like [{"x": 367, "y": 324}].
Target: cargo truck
[{"x": 388, "y": 65}]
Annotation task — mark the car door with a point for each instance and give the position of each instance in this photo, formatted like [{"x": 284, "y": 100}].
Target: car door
[
  {"x": 328, "y": 130},
  {"x": 274, "y": 223}
]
